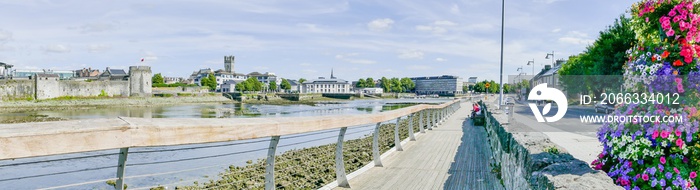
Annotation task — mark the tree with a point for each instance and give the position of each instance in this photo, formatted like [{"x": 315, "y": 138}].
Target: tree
[
  {"x": 240, "y": 87},
  {"x": 407, "y": 84},
  {"x": 370, "y": 83},
  {"x": 385, "y": 84},
  {"x": 273, "y": 85},
  {"x": 587, "y": 71},
  {"x": 157, "y": 79},
  {"x": 252, "y": 84},
  {"x": 285, "y": 85},
  {"x": 396, "y": 85},
  {"x": 302, "y": 80},
  {"x": 361, "y": 83}
]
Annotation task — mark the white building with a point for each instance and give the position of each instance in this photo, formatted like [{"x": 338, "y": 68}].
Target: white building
[
  {"x": 372, "y": 91},
  {"x": 323, "y": 85}
]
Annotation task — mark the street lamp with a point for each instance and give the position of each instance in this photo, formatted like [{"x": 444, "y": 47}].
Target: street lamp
[
  {"x": 533, "y": 65},
  {"x": 503, "y": 24},
  {"x": 550, "y": 54}
]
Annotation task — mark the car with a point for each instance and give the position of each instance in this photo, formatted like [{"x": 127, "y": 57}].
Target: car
[{"x": 604, "y": 107}]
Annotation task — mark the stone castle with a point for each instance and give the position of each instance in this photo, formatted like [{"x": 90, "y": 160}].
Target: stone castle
[{"x": 48, "y": 86}]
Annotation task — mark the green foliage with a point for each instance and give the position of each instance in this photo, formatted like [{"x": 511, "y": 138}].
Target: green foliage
[
  {"x": 407, "y": 84},
  {"x": 606, "y": 56},
  {"x": 273, "y": 85},
  {"x": 552, "y": 150},
  {"x": 185, "y": 94},
  {"x": 209, "y": 81},
  {"x": 103, "y": 94},
  {"x": 157, "y": 79},
  {"x": 113, "y": 183},
  {"x": 385, "y": 84},
  {"x": 302, "y": 80},
  {"x": 369, "y": 82},
  {"x": 481, "y": 87},
  {"x": 285, "y": 85},
  {"x": 360, "y": 83},
  {"x": 395, "y": 85},
  {"x": 177, "y": 84}
]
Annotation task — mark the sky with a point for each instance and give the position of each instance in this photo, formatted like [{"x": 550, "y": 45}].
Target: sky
[{"x": 299, "y": 38}]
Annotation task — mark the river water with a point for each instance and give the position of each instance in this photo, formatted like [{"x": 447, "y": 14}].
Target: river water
[{"x": 183, "y": 164}]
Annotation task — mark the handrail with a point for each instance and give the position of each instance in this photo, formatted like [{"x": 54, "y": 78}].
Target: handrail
[{"x": 62, "y": 137}]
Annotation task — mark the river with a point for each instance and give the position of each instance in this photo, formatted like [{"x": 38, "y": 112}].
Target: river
[{"x": 183, "y": 164}]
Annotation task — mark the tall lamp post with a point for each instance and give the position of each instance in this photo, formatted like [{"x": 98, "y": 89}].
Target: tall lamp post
[
  {"x": 503, "y": 14},
  {"x": 533, "y": 65},
  {"x": 552, "y": 55}
]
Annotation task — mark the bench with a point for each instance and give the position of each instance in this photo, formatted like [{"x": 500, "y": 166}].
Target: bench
[{"x": 479, "y": 120}]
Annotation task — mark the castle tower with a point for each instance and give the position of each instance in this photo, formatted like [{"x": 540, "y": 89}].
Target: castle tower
[
  {"x": 228, "y": 63},
  {"x": 140, "y": 81}
]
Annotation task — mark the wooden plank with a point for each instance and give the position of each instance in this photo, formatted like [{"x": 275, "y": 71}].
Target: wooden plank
[
  {"x": 61, "y": 137},
  {"x": 445, "y": 158}
]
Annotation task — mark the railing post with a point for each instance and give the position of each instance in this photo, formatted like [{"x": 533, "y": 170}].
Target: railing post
[
  {"x": 339, "y": 163},
  {"x": 121, "y": 168},
  {"x": 431, "y": 119},
  {"x": 375, "y": 146},
  {"x": 397, "y": 140},
  {"x": 420, "y": 122},
  {"x": 270, "y": 163},
  {"x": 410, "y": 128}
]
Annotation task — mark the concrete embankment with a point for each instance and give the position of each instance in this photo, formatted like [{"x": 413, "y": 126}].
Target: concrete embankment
[{"x": 530, "y": 160}]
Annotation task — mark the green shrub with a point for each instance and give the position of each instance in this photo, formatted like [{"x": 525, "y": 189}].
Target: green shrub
[
  {"x": 552, "y": 150},
  {"x": 103, "y": 94}
]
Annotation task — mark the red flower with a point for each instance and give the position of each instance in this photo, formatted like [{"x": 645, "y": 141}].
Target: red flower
[
  {"x": 677, "y": 63},
  {"x": 665, "y": 54}
]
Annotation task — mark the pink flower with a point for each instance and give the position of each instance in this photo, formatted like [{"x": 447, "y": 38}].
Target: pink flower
[
  {"x": 670, "y": 32},
  {"x": 672, "y": 13},
  {"x": 678, "y": 133},
  {"x": 679, "y": 86},
  {"x": 662, "y": 160},
  {"x": 677, "y": 19},
  {"x": 676, "y": 170},
  {"x": 646, "y": 19},
  {"x": 679, "y": 143},
  {"x": 664, "y": 134},
  {"x": 693, "y": 175},
  {"x": 655, "y": 134},
  {"x": 645, "y": 177}
]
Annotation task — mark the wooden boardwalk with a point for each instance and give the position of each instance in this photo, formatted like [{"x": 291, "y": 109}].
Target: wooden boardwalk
[{"x": 455, "y": 155}]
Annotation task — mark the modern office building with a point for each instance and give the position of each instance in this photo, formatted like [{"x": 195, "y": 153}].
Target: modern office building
[
  {"x": 445, "y": 85},
  {"x": 5, "y": 70},
  {"x": 27, "y": 73}
]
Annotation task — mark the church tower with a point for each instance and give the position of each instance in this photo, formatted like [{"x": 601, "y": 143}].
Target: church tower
[
  {"x": 228, "y": 63},
  {"x": 332, "y": 77}
]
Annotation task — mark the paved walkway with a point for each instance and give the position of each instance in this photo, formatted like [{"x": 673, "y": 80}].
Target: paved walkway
[{"x": 454, "y": 155}]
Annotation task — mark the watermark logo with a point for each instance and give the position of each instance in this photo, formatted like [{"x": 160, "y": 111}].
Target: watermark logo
[{"x": 541, "y": 92}]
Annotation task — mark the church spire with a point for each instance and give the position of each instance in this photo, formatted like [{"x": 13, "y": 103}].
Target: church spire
[{"x": 332, "y": 77}]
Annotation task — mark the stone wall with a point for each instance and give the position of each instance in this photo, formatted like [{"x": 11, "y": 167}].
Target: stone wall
[
  {"x": 523, "y": 161},
  {"x": 40, "y": 88},
  {"x": 16, "y": 90}
]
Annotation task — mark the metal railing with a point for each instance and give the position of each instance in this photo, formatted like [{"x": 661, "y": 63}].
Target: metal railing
[{"x": 144, "y": 137}]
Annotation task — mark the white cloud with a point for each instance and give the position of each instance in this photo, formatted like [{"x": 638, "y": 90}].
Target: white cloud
[
  {"x": 419, "y": 67},
  {"x": 57, "y": 48},
  {"x": 546, "y": 1},
  {"x": 556, "y": 30},
  {"x": 454, "y": 9},
  {"x": 437, "y": 27},
  {"x": 380, "y": 25},
  {"x": 150, "y": 56},
  {"x": 95, "y": 48},
  {"x": 440, "y": 59},
  {"x": 411, "y": 54},
  {"x": 96, "y": 27},
  {"x": 444, "y": 23},
  {"x": 577, "y": 38},
  {"x": 349, "y": 57},
  {"x": 5, "y": 36}
]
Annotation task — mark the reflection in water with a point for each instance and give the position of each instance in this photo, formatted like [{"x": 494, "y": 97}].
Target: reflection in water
[{"x": 226, "y": 110}]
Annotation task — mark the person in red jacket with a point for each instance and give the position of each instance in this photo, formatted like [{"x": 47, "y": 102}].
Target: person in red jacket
[{"x": 475, "y": 109}]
